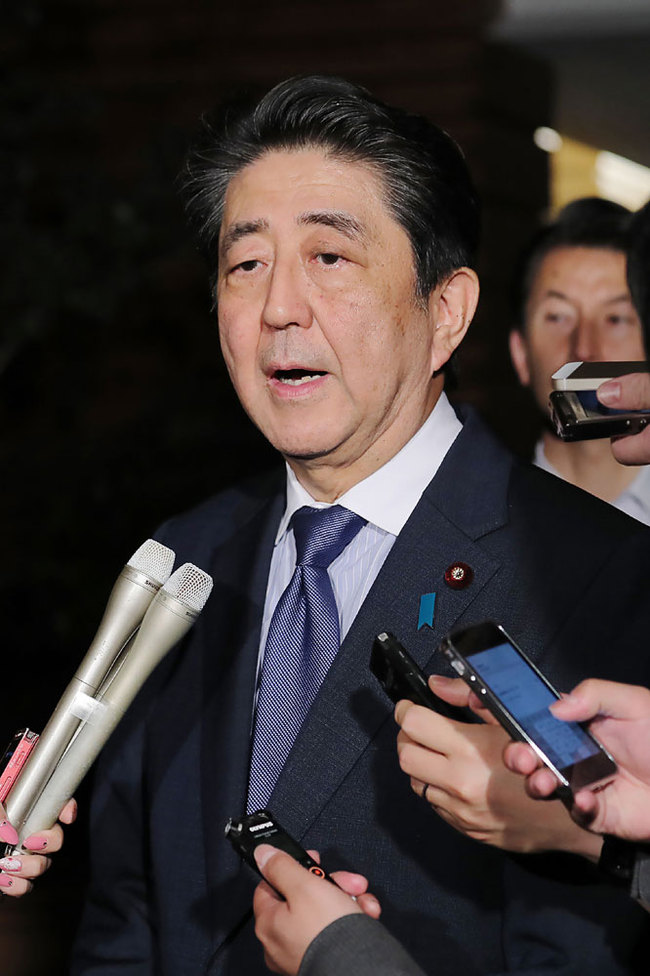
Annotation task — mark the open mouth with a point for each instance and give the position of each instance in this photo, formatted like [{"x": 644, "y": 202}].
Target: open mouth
[{"x": 296, "y": 377}]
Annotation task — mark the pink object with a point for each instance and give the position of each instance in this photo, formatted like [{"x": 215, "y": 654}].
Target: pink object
[{"x": 8, "y": 833}]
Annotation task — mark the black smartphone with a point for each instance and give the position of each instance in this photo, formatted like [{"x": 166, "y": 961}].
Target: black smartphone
[
  {"x": 518, "y": 695},
  {"x": 261, "y": 827},
  {"x": 401, "y": 677},
  {"x": 576, "y": 412},
  {"x": 579, "y": 416}
]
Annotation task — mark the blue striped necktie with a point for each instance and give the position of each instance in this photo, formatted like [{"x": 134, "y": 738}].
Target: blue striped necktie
[{"x": 302, "y": 642}]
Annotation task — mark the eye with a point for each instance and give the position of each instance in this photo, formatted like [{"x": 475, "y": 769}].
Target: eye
[
  {"x": 246, "y": 265},
  {"x": 555, "y": 317},
  {"x": 329, "y": 258},
  {"x": 619, "y": 320}
]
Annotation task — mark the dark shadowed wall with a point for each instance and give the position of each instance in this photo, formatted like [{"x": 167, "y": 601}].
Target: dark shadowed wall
[{"x": 115, "y": 410}]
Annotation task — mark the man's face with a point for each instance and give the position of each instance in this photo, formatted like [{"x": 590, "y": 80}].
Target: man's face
[
  {"x": 579, "y": 309},
  {"x": 328, "y": 349}
]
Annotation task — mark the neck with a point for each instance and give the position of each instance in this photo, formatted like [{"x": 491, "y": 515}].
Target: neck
[
  {"x": 589, "y": 465},
  {"x": 327, "y": 478}
]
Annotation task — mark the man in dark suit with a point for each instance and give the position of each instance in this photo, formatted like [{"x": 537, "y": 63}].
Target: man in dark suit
[{"x": 341, "y": 232}]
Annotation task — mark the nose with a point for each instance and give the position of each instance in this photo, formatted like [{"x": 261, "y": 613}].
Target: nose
[
  {"x": 584, "y": 341},
  {"x": 286, "y": 300}
]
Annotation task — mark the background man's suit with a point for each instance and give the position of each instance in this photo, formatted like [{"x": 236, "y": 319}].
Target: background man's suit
[{"x": 563, "y": 573}]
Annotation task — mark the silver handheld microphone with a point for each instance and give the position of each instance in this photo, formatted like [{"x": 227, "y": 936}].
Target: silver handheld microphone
[
  {"x": 147, "y": 569},
  {"x": 170, "y": 616}
]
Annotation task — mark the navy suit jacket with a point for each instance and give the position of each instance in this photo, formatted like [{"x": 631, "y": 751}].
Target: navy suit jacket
[{"x": 565, "y": 574}]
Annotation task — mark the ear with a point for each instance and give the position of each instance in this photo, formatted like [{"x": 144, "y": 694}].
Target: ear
[
  {"x": 451, "y": 307},
  {"x": 519, "y": 356}
]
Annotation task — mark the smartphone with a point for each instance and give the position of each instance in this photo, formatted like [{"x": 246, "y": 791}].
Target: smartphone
[
  {"x": 261, "y": 827},
  {"x": 576, "y": 412},
  {"x": 518, "y": 695},
  {"x": 589, "y": 375},
  {"x": 401, "y": 677}
]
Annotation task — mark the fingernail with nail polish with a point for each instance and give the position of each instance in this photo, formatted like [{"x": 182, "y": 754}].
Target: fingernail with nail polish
[
  {"x": 6, "y": 881},
  {"x": 35, "y": 843},
  {"x": 10, "y": 864},
  {"x": 8, "y": 833}
]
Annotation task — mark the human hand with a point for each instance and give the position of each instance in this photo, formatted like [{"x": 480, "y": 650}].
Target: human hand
[
  {"x": 631, "y": 392},
  {"x": 458, "y": 767},
  {"x": 18, "y": 870},
  {"x": 286, "y": 928},
  {"x": 619, "y": 717}
]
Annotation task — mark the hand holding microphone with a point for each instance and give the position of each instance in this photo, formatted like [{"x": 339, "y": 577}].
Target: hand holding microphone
[
  {"x": 147, "y": 569},
  {"x": 19, "y": 871},
  {"x": 169, "y": 617}
]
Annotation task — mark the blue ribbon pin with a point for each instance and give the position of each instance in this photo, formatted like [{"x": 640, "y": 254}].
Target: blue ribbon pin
[{"x": 427, "y": 605}]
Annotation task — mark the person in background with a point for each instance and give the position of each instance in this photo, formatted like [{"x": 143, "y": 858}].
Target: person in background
[
  {"x": 633, "y": 392},
  {"x": 573, "y": 304},
  {"x": 619, "y": 714}
]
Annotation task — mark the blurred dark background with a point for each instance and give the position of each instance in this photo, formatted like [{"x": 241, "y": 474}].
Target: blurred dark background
[{"x": 115, "y": 410}]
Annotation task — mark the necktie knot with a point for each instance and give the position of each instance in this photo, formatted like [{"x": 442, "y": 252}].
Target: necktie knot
[{"x": 321, "y": 534}]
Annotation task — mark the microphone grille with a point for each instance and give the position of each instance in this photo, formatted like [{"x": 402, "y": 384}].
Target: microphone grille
[
  {"x": 190, "y": 585},
  {"x": 153, "y": 559}
]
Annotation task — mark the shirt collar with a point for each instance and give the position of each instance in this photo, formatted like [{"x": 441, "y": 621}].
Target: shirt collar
[
  {"x": 388, "y": 496},
  {"x": 639, "y": 489}
]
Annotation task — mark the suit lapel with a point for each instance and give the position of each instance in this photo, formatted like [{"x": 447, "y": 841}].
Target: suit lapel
[
  {"x": 445, "y": 528},
  {"x": 230, "y": 639}
]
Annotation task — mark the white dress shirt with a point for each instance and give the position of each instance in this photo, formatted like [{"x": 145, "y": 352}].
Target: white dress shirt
[
  {"x": 386, "y": 499},
  {"x": 634, "y": 501}
]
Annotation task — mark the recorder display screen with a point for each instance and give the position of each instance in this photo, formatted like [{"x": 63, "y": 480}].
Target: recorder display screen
[
  {"x": 592, "y": 405},
  {"x": 527, "y": 698}
]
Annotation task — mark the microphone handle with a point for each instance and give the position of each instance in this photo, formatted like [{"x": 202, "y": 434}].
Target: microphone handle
[
  {"x": 127, "y": 605},
  {"x": 165, "y": 623}
]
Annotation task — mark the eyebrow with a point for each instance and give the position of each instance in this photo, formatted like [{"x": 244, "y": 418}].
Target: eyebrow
[
  {"x": 623, "y": 297},
  {"x": 338, "y": 220},
  {"x": 345, "y": 223},
  {"x": 242, "y": 229}
]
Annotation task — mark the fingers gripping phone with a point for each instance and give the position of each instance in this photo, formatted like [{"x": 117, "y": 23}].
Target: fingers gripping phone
[
  {"x": 518, "y": 695},
  {"x": 261, "y": 827},
  {"x": 576, "y": 412}
]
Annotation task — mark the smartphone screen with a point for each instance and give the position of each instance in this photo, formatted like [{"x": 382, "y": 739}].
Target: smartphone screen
[
  {"x": 592, "y": 406},
  {"x": 527, "y": 698}
]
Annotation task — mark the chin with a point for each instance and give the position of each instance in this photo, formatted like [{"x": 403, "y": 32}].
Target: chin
[
  {"x": 302, "y": 441},
  {"x": 305, "y": 448},
  {"x": 304, "y": 453}
]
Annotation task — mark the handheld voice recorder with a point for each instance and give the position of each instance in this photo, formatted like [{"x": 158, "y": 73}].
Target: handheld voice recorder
[
  {"x": 261, "y": 827},
  {"x": 401, "y": 677},
  {"x": 576, "y": 411}
]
